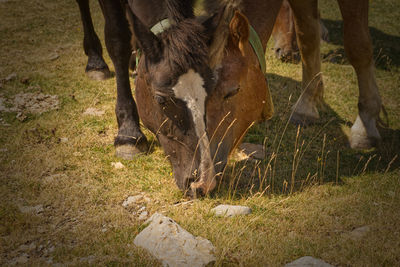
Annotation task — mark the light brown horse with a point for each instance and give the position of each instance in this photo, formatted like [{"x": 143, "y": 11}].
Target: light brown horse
[
  {"x": 261, "y": 15},
  {"x": 357, "y": 42},
  {"x": 284, "y": 34}
]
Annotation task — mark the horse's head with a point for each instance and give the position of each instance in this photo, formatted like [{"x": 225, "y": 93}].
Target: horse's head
[
  {"x": 284, "y": 35},
  {"x": 198, "y": 110}
]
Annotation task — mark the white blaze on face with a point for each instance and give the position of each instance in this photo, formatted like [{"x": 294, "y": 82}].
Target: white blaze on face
[{"x": 190, "y": 89}]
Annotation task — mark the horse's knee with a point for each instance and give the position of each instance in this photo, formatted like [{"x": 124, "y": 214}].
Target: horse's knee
[{"x": 358, "y": 49}]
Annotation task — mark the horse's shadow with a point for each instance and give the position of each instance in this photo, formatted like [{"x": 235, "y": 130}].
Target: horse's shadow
[
  {"x": 296, "y": 157},
  {"x": 386, "y": 47}
]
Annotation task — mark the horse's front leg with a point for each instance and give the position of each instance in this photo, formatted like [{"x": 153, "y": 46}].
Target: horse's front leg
[
  {"x": 358, "y": 48},
  {"x": 130, "y": 139},
  {"x": 96, "y": 67},
  {"x": 306, "y": 17}
]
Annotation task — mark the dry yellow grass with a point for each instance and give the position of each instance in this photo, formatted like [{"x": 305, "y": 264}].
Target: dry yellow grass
[{"x": 335, "y": 190}]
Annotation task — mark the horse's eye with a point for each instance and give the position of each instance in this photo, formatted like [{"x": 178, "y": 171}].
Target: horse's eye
[
  {"x": 160, "y": 99},
  {"x": 231, "y": 92}
]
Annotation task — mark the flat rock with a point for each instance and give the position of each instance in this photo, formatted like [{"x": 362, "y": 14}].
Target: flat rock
[
  {"x": 143, "y": 215},
  {"x": 36, "y": 103},
  {"x": 64, "y": 139},
  {"x": 359, "y": 232},
  {"x": 255, "y": 151},
  {"x": 22, "y": 259},
  {"x": 173, "y": 245},
  {"x": 94, "y": 112},
  {"x": 53, "y": 56},
  {"x": 132, "y": 200},
  {"x": 231, "y": 210},
  {"x": 11, "y": 77},
  {"x": 35, "y": 209},
  {"x": 308, "y": 261}
]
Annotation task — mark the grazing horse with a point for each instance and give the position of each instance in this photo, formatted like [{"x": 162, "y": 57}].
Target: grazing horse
[
  {"x": 167, "y": 104},
  {"x": 198, "y": 110},
  {"x": 357, "y": 43},
  {"x": 200, "y": 86},
  {"x": 118, "y": 38},
  {"x": 284, "y": 34}
]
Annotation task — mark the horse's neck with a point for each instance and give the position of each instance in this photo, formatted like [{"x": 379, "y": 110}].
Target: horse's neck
[
  {"x": 262, "y": 15},
  {"x": 149, "y": 11}
]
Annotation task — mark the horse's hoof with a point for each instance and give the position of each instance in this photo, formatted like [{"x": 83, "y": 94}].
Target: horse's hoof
[
  {"x": 358, "y": 141},
  {"x": 194, "y": 192},
  {"x": 129, "y": 151},
  {"x": 99, "y": 74},
  {"x": 364, "y": 136},
  {"x": 303, "y": 119}
]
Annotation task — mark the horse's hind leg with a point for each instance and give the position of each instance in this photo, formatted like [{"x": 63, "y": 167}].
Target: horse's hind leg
[
  {"x": 130, "y": 140},
  {"x": 358, "y": 48},
  {"x": 308, "y": 37},
  {"x": 96, "y": 68}
]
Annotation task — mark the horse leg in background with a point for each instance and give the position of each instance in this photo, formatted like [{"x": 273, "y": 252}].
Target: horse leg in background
[
  {"x": 96, "y": 67},
  {"x": 308, "y": 38},
  {"x": 358, "y": 48},
  {"x": 130, "y": 139}
]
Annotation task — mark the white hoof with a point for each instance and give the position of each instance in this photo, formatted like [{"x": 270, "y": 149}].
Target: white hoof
[{"x": 364, "y": 135}]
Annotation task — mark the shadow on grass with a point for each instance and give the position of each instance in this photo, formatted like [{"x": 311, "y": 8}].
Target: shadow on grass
[
  {"x": 298, "y": 156},
  {"x": 386, "y": 47}
]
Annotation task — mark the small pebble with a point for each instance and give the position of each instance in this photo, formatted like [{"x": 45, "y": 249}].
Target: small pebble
[
  {"x": 117, "y": 165},
  {"x": 143, "y": 215}
]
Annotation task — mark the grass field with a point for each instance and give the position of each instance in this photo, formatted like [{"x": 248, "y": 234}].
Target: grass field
[{"x": 60, "y": 196}]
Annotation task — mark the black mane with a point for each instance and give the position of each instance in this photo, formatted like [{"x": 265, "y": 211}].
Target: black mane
[{"x": 185, "y": 45}]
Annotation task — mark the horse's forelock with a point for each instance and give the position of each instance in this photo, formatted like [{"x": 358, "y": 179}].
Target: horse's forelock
[
  {"x": 221, "y": 34},
  {"x": 185, "y": 45}
]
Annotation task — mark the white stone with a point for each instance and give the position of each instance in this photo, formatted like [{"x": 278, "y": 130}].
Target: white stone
[
  {"x": 131, "y": 200},
  {"x": 231, "y": 210},
  {"x": 22, "y": 259},
  {"x": 36, "y": 103},
  {"x": 3, "y": 107},
  {"x": 173, "y": 245},
  {"x": 117, "y": 165},
  {"x": 36, "y": 209},
  {"x": 64, "y": 139},
  {"x": 94, "y": 112},
  {"x": 54, "y": 56},
  {"x": 11, "y": 77},
  {"x": 54, "y": 177},
  {"x": 143, "y": 215},
  {"x": 308, "y": 261},
  {"x": 359, "y": 232}
]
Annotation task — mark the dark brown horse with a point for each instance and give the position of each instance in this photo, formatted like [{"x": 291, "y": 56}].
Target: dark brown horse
[
  {"x": 199, "y": 114},
  {"x": 130, "y": 140},
  {"x": 200, "y": 89}
]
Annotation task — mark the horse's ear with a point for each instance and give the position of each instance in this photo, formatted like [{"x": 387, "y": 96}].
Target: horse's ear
[
  {"x": 239, "y": 29},
  {"x": 148, "y": 41}
]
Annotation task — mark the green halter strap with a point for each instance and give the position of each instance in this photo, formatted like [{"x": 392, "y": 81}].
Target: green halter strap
[
  {"x": 255, "y": 42},
  {"x": 159, "y": 27}
]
